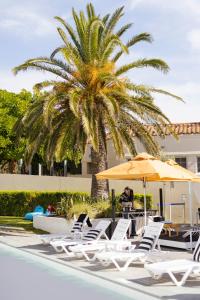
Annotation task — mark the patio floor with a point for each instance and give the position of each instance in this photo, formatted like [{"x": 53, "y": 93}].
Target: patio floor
[{"x": 136, "y": 277}]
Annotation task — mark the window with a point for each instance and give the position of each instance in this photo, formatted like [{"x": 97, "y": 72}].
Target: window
[
  {"x": 198, "y": 164},
  {"x": 181, "y": 161},
  {"x": 74, "y": 169}
]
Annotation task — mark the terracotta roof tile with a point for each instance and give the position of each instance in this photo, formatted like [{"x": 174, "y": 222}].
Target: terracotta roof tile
[{"x": 178, "y": 128}]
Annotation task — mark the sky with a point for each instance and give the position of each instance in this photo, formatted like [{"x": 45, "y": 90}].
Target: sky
[{"x": 28, "y": 30}]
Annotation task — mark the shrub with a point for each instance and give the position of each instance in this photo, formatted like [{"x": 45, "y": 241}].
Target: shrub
[
  {"x": 17, "y": 203},
  {"x": 99, "y": 209}
]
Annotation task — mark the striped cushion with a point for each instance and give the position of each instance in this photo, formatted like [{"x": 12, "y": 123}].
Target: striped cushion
[
  {"x": 91, "y": 235},
  {"x": 77, "y": 227},
  {"x": 196, "y": 253},
  {"x": 147, "y": 243}
]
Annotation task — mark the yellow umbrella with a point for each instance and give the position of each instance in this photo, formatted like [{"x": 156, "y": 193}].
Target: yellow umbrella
[
  {"x": 146, "y": 168},
  {"x": 173, "y": 163}
]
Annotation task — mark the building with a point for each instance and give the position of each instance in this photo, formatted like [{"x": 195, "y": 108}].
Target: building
[{"x": 185, "y": 149}]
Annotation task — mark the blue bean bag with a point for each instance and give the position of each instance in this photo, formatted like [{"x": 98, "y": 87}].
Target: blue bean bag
[{"x": 39, "y": 210}]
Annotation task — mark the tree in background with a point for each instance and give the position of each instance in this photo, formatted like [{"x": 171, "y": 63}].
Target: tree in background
[
  {"x": 12, "y": 107},
  {"x": 92, "y": 95},
  {"x": 51, "y": 130}
]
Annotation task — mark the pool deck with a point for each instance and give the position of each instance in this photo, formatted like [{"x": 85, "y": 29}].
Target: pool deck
[{"x": 135, "y": 278}]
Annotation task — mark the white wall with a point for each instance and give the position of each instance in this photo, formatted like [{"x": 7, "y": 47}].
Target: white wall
[
  {"x": 43, "y": 183},
  {"x": 188, "y": 145},
  {"x": 52, "y": 183}
]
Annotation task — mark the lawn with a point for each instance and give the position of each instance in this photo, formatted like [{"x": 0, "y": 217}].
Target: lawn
[{"x": 18, "y": 222}]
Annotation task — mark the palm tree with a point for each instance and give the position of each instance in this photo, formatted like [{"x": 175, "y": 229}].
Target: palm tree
[{"x": 92, "y": 96}]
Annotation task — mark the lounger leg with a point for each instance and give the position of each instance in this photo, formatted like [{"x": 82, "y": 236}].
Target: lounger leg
[
  {"x": 95, "y": 255},
  {"x": 58, "y": 248},
  {"x": 86, "y": 256},
  {"x": 126, "y": 265},
  {"x": 124, "y": 268},
  {"x": 69, "y": 253},
  {"x": 117, "y": 265},
  {"x": 158, "y": 245},
  {"x": 184, "y": 278}
]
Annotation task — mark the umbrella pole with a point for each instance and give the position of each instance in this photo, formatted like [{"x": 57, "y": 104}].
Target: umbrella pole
[
  {"x": 145, "y": 202},
  {"x": 190, "y": 202}
]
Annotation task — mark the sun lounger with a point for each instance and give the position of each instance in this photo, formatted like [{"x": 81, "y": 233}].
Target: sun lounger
[
  {"x": 185, "y": 267},
  {"x": 118, "y": 241},
  {"x": 141, "y": 253},
  {"x": 75, "y": 230},
  {"x": 90, "y": 237},
  {"x": 186, "y": 239}
]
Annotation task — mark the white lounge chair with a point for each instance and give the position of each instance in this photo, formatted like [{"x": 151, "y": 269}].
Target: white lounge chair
[
  {"x": 76, "y": 228},
  {"x": 146, "y": 247},
  {"x": 118, "y": 242},
  {"x": 186, "y": 267},
  {"x": 186, "y": 239},
  {"x": 90, "y": 237}
]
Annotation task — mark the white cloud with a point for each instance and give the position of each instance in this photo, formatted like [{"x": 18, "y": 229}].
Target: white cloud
[
  {"x": 186, "y": 6},
  {"x": 194, "y": 38},
  {"x": 9, "y": 23},
  {"x": 27, "y": 21},
  {"x": 176, "y": 110},
  {"x": 22, "y": 80}
]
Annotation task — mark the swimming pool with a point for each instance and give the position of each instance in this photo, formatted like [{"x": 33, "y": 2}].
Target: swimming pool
[{"x": 27, "y": 276}]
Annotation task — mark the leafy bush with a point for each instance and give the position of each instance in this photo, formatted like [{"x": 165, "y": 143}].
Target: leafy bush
[
  {"x": 99, "y": 209},
  {"x": 17, "y": 203}
]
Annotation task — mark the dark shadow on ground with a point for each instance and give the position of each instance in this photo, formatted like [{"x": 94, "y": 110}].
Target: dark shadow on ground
[
  {"x": 182, "y": 297},
  {"x": 95, "y": 265},
  {"x": 48, "y": 249},
  {"x": 10, "y": 233},
  {"x": 70, "y": 259},
  {"x": 149, "y": 281}
]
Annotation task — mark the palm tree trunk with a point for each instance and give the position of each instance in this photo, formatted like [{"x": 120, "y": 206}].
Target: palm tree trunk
[
  {"x": 99, "y": 188},
  {"x": 12, "y": 165}
]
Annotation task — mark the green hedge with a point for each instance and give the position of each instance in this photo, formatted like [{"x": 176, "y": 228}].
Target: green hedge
[{"x": 17, "y": 203}]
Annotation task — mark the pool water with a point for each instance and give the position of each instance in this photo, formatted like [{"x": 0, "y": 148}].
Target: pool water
[{"x": 26, "y": 276}]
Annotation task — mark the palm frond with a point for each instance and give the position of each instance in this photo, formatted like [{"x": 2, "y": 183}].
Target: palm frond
[
  {"x": 142, "y": 37},
  {"x": 160, "y": 91},
  {"x": 157, "y": 64},
  {"x": 123, "y": 29}
]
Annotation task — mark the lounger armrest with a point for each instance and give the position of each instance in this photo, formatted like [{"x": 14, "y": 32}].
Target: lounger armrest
[
  {"x": 132, "y": 247},
  {"x": 117, "y": 245},
  {"x": 77, "y": 235}
]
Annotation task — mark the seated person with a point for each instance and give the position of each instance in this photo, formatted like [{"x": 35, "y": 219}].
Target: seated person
[{"x": 50, "y": 210}]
